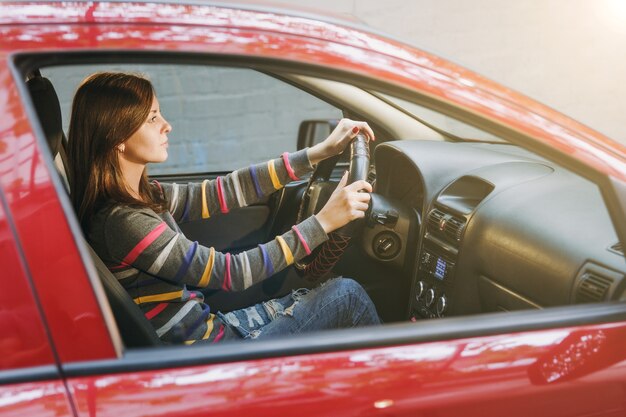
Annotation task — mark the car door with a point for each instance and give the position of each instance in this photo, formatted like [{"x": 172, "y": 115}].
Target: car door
[
  {"x": 30, "y": 381},
  {"x": 517, "y": 374}
]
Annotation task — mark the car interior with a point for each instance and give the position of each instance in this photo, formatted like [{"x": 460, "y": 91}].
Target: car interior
[{"x": 462, "y": 222}]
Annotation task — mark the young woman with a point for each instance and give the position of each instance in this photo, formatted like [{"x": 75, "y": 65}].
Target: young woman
[{"x": 116, "y": 129}]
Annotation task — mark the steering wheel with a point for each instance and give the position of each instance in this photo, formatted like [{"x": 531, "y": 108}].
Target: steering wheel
[{"x": 322, "y": 260}]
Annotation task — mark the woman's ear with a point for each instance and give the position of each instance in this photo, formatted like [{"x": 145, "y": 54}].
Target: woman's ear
[{"x": 121, "y": 147}]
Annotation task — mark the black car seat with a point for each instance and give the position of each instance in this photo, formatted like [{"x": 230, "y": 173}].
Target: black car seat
[
  {"x": 134, "y": 327},
  {"x": 46, "y": 103}
]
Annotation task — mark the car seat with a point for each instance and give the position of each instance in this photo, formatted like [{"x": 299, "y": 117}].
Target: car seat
[{"x": 48, "y": 111}]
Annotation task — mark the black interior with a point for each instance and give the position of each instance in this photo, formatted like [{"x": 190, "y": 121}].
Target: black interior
[
  {"x": 48, "y": 110},
  {"x": 502, "y": 229}
]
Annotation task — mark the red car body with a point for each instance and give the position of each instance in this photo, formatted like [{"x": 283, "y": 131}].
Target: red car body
[{"x": 58, "y": 352}]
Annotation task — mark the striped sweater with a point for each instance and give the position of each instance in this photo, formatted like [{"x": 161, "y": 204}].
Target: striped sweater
[{"x": 161, "y": 269}]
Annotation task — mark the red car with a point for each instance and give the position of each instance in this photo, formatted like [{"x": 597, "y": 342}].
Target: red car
[{"x": 491, "y": 248}]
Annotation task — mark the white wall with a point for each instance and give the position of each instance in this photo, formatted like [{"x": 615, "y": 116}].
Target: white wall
[{"x": 568, "y": 54}]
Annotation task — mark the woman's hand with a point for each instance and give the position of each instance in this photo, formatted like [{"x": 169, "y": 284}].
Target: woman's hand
[
  {"x": 340, "y": 137},
  {"x": 346, "y": 203}
]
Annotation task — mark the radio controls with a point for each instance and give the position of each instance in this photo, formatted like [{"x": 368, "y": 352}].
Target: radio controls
[
  {"x": 430, "y": 297},
  {"x": 420, "y": 290},
  {"x": 436, "y": 270},
  {"x": 442, "y": 305}
]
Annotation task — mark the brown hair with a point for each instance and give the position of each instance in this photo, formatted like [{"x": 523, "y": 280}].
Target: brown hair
[{"x": 107, "y": 109}]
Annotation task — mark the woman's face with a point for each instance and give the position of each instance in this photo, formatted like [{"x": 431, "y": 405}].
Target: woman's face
[{"x": 149, "y": 142}]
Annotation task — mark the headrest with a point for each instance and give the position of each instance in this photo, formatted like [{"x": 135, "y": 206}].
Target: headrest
[{"x": 48, "y": 110}]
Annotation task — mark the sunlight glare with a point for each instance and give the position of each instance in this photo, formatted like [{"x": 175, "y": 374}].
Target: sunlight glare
[{"x": 614, "y": 14}]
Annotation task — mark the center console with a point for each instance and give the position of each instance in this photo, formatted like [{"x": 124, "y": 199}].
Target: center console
[
  {"x": 436, "y": 265},
  {"x": 438, "y": 256}
]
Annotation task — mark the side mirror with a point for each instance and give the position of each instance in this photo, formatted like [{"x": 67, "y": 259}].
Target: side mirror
[{"x": 314, "y": 131}]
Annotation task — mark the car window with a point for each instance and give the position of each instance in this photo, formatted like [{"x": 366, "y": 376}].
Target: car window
[
  {"x": 441, "y": 121},
  {"x": 223, "y": 118},
  {"x": 521, "y": 206}
]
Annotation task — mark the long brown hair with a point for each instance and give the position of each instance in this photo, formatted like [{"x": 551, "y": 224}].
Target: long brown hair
[{"x": 107, "y": 109}]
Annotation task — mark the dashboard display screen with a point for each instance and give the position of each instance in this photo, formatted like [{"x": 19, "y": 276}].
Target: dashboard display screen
[{"x": 440, "y": 269}]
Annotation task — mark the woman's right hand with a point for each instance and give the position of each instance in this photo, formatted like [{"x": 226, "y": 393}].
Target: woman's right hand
[
  {"x": 346, "y": 203},
  {"x": 339, "y": 138}
]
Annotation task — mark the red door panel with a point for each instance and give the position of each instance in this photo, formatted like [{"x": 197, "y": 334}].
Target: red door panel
[
  {"x": 40, "y": 399},
  {"x": 25, "y": 350},
  {"x": 564, "y": 372},
  {"x": 46, "y": 241},
  {"x": 23, "y": 341}
]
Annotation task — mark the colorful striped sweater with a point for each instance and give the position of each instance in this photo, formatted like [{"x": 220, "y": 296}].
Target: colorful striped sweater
[{"x": 161, "y": 269}]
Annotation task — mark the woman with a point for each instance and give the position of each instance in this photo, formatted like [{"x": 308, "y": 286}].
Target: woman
[{"x": 117, "y": 128}]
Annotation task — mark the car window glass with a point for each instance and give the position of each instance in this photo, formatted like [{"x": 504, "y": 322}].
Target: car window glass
[
  {"x": 440, "y": 121},
  {"x": 222, "y": 118}
]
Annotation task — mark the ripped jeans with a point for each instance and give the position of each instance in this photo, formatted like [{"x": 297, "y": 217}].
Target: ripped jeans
[{"x": 337, "y": 303}]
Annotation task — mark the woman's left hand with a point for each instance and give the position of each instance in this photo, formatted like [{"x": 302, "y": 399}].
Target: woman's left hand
[{"x": 340, "y": 137}]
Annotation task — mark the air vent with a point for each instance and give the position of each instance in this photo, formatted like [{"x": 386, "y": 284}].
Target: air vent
[
  {"x": 617, "y": 248},
  {"x": 445, "y": 225},
  {"x": 592, "y": 288},
  {"x": 454, "y": 229},
  {"x": 434, "y": 219}
]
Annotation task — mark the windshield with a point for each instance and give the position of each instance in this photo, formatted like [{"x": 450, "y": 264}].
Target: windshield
[{"x": 446, "y": 124}]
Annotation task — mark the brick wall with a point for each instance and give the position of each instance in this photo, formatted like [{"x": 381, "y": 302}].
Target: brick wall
[{"x": 206, "y": 107}]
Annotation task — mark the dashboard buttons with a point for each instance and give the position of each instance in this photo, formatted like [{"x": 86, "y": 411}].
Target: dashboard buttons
[
  {"x": 420, "y": 290},
  {"x": 430, "y": 297},
  {"x": 435, "y": 277},
  {"x": 425, "y": 261},
  {"x": 442, "y": 306}
]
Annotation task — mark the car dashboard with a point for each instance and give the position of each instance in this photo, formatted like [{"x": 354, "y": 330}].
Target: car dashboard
[{"x": 485, "y": 227}]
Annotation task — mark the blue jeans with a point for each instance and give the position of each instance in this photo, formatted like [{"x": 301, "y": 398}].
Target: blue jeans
[{"x": 337, "y": 303}]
